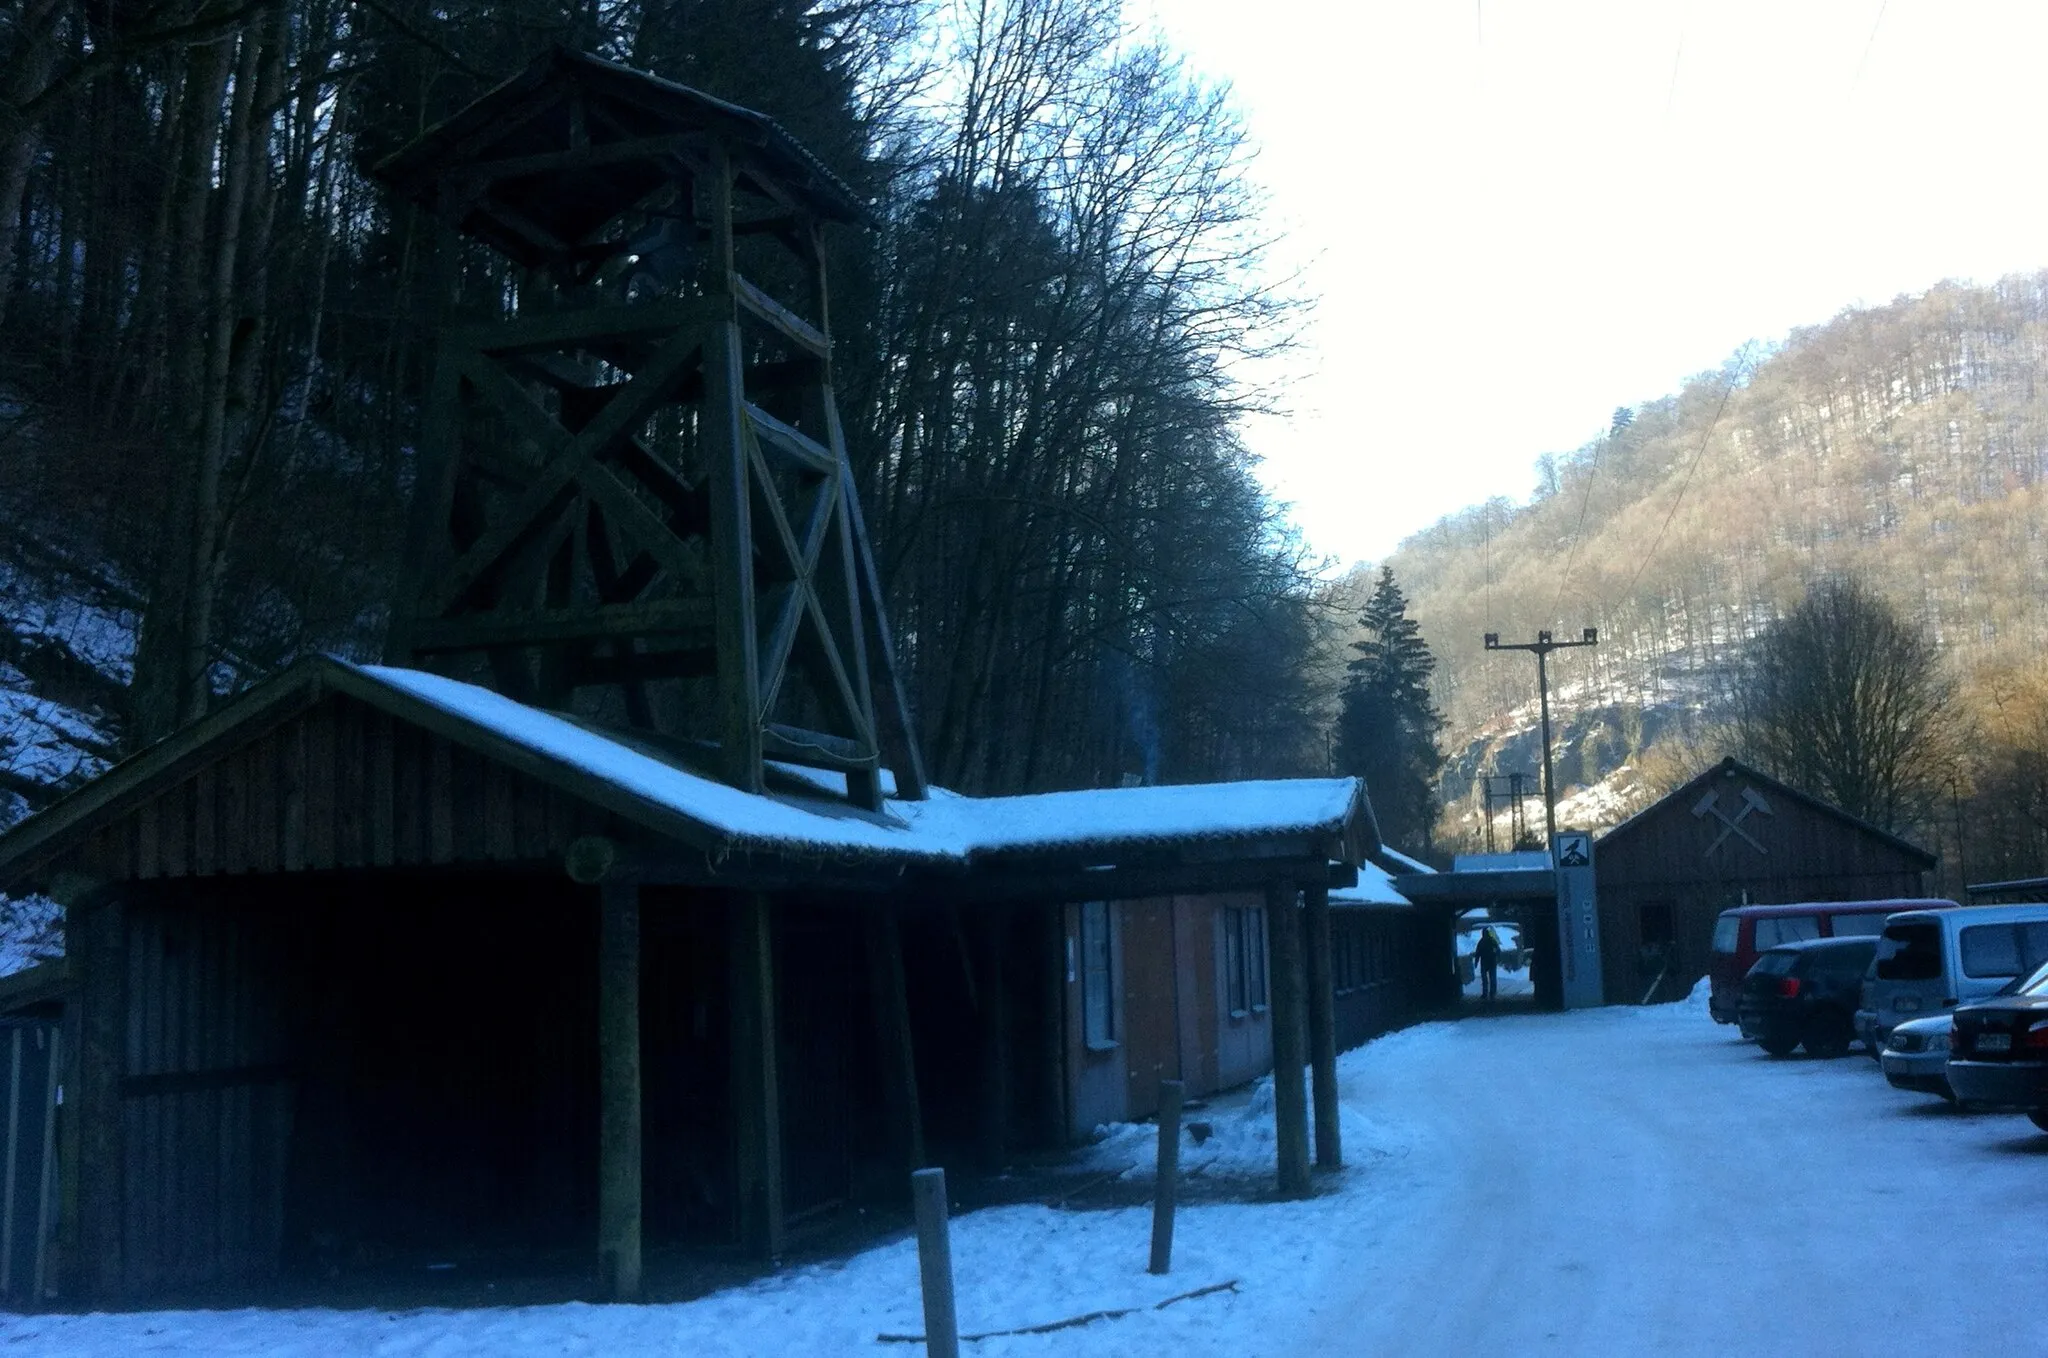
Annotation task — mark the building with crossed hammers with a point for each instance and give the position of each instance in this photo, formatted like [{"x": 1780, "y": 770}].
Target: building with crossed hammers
[{"x": 1732, "y": 836}]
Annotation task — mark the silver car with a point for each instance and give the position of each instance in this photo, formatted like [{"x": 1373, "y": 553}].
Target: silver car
[{"x": 1915, "y": 1056}]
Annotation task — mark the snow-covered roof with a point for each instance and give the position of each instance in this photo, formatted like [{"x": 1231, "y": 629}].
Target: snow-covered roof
[
  {"x": 1376, "y": 886},
  {"x": 1402, "y": 860},
  {"x": 805, "y": 813},
  {"x": 944, "y": 827}
]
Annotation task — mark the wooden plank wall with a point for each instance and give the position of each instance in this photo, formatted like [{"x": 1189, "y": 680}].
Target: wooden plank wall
[
  {"x": 205, "y": 1103},
  {"x": 340, "y": 786},
  {"x": 1669, "y": 856}
]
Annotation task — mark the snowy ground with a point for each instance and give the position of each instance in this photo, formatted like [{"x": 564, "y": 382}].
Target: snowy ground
[
  {"x": 1508, "y": 985},
  {"x": 1616, "y": 1182}
]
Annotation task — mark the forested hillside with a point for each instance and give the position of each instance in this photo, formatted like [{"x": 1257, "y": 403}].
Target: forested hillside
[
  {"x": 1907, "y": 443},
  {"x": 215, "y": 331}
]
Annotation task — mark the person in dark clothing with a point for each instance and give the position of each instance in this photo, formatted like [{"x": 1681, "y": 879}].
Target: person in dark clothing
[{"x": 1489, "y": 963}]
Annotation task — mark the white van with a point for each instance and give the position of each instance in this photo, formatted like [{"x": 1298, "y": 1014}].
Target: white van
[{"x": 1929, "y": 961}]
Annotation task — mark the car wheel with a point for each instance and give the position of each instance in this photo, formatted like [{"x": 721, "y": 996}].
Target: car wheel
[
  {"x": 2039, "y": 1117},
  {"x": 1778, "y": 1046},
  {"x": 1827, "y": 1038}
]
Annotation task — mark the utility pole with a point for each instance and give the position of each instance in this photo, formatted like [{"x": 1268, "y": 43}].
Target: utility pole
[{"x": 1542, "y": 647}]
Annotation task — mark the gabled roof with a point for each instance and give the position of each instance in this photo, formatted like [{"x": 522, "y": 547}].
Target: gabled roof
[
  {"x": 627, "y": 119},
  {"x": 1732, "y": 766},
  {"x": 657, "y": 790}
]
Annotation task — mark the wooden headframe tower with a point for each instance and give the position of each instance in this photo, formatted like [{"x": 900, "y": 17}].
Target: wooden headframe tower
[{"x": 633, "y": 492}]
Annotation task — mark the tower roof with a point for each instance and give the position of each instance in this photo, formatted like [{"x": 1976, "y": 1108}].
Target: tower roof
[{"x": 537, "y": 165}]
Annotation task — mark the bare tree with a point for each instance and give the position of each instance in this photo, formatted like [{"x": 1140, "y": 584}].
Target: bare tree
[{"x": 1844, "y": 698}]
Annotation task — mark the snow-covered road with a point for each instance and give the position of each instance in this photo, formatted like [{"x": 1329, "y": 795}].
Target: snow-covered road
[
  {"x": 1640, "y": 1181},
  {"x": 1625, "y": 1181}
]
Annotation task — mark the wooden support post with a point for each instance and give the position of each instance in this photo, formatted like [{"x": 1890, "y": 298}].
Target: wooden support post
[
  {"x": 1166, "y": 1185},
  {"x": 618, "y": 1137},
  {"x": 757, "y": 1096},
  {"x": 992, "y": 930},
  {"x": 1290, "y": 1041},
  {"x": 1322, "y": 1025},
  {"x": 100, "y": 929},
  {"x": 729, "y": 478},
  {"x": 891, "y": 998},
  {"x": 935, "y": 1263}
]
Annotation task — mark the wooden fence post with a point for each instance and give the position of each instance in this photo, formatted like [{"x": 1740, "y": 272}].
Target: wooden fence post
[
  {"x": 1322, "y": 1025},
  {"x": 1166, "y": 1185},
  {"x": 618, "y": 1039},
  {"x": 935, "y": 1263},
  {"x": 1290, "y": 1041}
]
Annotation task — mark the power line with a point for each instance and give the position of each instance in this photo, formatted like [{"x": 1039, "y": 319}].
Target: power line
[
  {"x": 1869, "y": 43},
  {"x": 1579, "y": 533},
  {"x": 1727, "y": 391}
]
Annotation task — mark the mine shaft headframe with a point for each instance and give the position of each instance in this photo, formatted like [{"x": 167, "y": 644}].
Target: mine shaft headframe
[{"x": 637, "y": 480}]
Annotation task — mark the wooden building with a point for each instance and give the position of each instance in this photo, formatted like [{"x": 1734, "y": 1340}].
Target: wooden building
[
  {"x": 598, "y": 918},
  {"x": 1732, "y": 836}
]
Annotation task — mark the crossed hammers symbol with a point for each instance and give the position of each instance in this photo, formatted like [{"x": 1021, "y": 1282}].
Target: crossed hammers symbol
[{"x": 1710, "y": 805}]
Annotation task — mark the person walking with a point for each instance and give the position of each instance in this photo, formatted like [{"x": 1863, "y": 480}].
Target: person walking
[{"x": 1489, "y": 963}]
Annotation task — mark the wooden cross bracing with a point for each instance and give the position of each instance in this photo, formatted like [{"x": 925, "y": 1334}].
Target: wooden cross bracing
[{"x": 654, "y": 491}]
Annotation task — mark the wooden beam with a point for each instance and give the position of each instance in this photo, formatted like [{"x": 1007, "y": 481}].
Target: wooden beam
[
  {"x": 101, "y": 930},
  {"x": 791, "y": 443},
  {"x": 466, "y": 632},
  {"x": 639, "y": 667},
  {"x": 1290, "y": 1103},
  {"x": 756, "y": 1093},
  {"x": 910, "y": 779},
  {"x": 889, "y": 993},
  {"x": 798, "y": 746},
  {"x": 1322, "y": 1025},
  {"x": 618, "y": 1049},
  {"x": 575, "y": 158},
  {"x": 780, "y": 318},
  {"x": 996, "y": 1063},
  {"x": 732, "y": 541},
  {"x": 572, "y": 327}
]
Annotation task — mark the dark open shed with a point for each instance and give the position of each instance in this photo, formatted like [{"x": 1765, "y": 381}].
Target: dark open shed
[{"x": 1732, "y": 836}]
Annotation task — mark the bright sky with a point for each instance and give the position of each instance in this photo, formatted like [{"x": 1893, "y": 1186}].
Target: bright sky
[{"x": 1520, "y": 214}]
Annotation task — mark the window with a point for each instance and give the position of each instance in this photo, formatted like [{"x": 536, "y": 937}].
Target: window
[
  {"x": 1255, "y": 957},
  {"x": 1910, "y": 952},
  {"x": 2004, "y": 949},
  {"x": 1858, "y": 925},
  {"x": 1771, "y": 930},
  {"x": 1244, "y": 959},
  {"x": 1098, "y": 974},
  {"x": 1774, "y": 964},
  {"x": 1654, "y": 918},
  {"x": 1727, "y": 930}
]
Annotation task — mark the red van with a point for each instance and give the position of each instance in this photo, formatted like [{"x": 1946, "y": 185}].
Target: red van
[{"x": 1743, "y": 932}]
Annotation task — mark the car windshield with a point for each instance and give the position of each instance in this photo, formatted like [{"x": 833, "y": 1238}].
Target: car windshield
[
  {"x": 2037, "y": 984},
  {"x": 1774, "y": 964}
]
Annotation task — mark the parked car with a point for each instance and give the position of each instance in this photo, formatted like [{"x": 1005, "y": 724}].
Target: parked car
[
  {"x": 1928, "y": 962},
  {"x": 1805, "y": 994},
  {"x": 1744, "y": 932},
  {"x": 1915, "y": 1056},
  {"x": 1998, "y": 1051}
]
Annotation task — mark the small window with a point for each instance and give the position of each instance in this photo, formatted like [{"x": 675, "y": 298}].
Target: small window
[
  {"x": 1774, "y": 964},
  {"x": 1910, "y": 952},
  {"x": 1727, "y": 930},
  {"x": 1991, "y": 950},
  {"x": 1098, "y": 975},
  {"x": 1857, "y": 925},
  {"x": 1654, "y": 920},
  {"x": 1231, "y": 921},
  {"x": 1255, "y": 957},
  {"x": 2033, "y": 943},
  {"x": 1771, "y": 930}
]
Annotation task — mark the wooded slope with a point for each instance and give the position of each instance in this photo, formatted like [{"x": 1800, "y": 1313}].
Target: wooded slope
[{"x": 1907, "y": 442}]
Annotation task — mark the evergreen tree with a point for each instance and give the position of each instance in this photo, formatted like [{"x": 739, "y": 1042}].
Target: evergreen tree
[{"x": 1388, "y": 725}]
